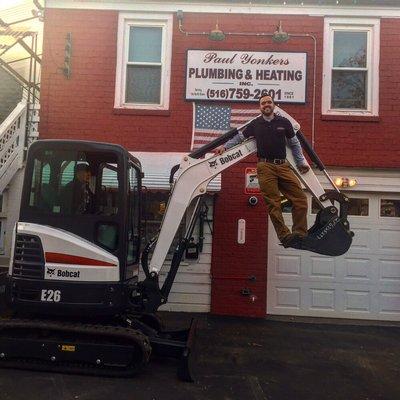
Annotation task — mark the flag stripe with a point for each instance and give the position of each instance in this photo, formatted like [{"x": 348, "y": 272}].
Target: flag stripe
[{"x": 211, "y": 121}]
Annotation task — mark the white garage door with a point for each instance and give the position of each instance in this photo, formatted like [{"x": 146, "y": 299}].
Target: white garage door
[{"x": 364, "y": 283}]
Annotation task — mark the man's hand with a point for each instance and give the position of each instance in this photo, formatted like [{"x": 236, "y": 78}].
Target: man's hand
[
  {"x": 303, "y": 168},
  {"x": 219, "y": 150}
]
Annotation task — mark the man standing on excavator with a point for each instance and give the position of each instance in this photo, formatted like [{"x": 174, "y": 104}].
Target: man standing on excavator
[{"x": 275, "y": 176}]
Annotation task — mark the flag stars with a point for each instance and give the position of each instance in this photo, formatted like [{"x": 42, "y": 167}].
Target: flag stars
[{"x": 212, "y": 117}]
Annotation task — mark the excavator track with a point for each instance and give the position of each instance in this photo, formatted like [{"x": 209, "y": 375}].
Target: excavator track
[{"x": 72, "y": 347}]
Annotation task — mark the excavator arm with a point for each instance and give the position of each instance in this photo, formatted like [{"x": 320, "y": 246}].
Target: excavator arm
[{"x": 330, "y": 235}]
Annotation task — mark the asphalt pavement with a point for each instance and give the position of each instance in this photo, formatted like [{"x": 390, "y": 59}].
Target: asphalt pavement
[
  {"x": 243, "y": 358},
  {"x": 246, "y": 359}
]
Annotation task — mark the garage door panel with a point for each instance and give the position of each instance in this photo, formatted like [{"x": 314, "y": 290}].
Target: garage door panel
[
  {"x": 337, "y": 300},
  {"x": 389, "y": 271},
  {"x": 322, "y": 299},
  {"x": 389, "y": 239},
  {"x": 364, "y": 283},
  {"x": 313, "y": 268},
  {"x": 322, "y": 267},
  {"x": 362, "y": 239},
  {"x": 357, "y": 301},
  {"x": 357, "y": 269},
  {"x": 287, "y": 298},
  {"x": 389, "y": 303},
  {"x": 287, "y": 265}
]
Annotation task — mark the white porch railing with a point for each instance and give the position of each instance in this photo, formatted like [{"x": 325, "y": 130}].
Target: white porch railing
[{"x": 12, "y": 143}]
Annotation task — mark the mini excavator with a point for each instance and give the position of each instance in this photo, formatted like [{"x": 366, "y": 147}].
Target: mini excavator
[{"x": 76, "y": 303}]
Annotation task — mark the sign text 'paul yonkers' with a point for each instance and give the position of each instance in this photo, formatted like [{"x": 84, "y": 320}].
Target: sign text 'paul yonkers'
[{"x": 245, "y": 76}]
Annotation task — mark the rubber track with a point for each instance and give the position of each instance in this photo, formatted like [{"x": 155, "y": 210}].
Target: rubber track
[{"x": 136, "y": 337}]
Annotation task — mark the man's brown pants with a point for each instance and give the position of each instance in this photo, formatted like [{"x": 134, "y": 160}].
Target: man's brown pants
[{"x": 273, "y": 179}]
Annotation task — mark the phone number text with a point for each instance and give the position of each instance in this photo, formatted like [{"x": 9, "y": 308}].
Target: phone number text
[{"x": 245, "y": 94}]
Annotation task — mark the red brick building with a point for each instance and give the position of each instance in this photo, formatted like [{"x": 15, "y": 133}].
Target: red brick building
[{"x": 126, "y": 82}]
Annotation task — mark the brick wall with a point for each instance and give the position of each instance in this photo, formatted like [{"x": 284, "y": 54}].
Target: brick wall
[
  {"x": 236, "y": 267},
  {"x": 370, "y": 144},
  {"x": 82, "y": 108}
]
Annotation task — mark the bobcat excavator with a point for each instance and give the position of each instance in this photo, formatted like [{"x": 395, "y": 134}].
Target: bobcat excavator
[{"x": 76, "y": 302}]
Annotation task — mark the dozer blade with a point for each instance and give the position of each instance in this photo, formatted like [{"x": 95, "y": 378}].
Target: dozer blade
[
  {"x": 180, "y": 345},
  {"x": 185, "y": 369},
  {"x": 330, "y": 239},
  {"x": 72, "y": 348}
]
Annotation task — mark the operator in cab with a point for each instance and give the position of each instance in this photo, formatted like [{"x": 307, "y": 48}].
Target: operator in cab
[{"x": 78, "y": 197}]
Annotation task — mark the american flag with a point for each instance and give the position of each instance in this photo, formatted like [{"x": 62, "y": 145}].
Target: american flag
[{"x": 211, "y": 121}]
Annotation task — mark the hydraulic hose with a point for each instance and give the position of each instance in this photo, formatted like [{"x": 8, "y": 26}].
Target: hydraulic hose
[{"x": 310, "y": 151}]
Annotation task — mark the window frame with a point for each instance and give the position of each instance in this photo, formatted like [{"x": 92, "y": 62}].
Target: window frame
[
  {"x": 387, "y": 217},
  {"x": 354, "y": 196},
  {"x": 372, "y": 27},
  {"x": 134, "y": 221},
  {"x": 125, "y": 21}
]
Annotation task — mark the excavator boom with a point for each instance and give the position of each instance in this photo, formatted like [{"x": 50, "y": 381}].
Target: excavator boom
[{"x": 330, "y": 235}]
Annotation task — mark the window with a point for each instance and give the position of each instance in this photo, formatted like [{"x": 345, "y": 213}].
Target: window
[
  {"x": 107, "y": 235},
  {"x": 73, "y": 183},
  {"x": 357, "y": 207},
  {"x": 108, "y": 191},
  {"x": 143, "y": 61},
  {"x": 351, "y": 67},
  {"x": 390, "y": 208}
]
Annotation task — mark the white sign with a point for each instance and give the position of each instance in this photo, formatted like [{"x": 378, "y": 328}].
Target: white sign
[{"x": 245, "y": 76}]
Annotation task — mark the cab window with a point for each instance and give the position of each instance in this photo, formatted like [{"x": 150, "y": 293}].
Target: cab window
[{"x": 74, "y": 183}]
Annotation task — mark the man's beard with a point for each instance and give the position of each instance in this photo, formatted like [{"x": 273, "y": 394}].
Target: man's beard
[{"x": 268, "y": 112}]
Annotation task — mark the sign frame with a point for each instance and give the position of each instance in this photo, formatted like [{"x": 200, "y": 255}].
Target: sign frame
[{"x": 247, "y": 100}]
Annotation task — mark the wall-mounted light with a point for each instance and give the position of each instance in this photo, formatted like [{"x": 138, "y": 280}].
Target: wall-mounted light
[
  {"x": 345, "y": 182},
  {"x": 66, "y": 70},
  {"x": 216, "y": 34},
  {"x": 280, "y": 35}
]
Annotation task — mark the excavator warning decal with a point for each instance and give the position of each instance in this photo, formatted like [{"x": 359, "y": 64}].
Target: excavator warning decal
[
  {"x": 67, "y": 347},
  {"x": 251, "y": 181}
]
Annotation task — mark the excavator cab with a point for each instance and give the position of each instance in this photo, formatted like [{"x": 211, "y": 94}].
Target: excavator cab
[
  {"x": 77, "y": 235},
  {"x": 76, "y": 302}
]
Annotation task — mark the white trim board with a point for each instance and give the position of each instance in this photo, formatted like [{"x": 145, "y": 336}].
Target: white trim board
[
  {"x": 370, "y": 27},
  {"x": 367, "y": 180},
  {"x": 125, "y": 21},
  {"x": 201, "y": 7}
]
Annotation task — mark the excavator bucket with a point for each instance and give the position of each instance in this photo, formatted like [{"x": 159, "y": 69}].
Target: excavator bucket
[{"x": 330, "y": 235}]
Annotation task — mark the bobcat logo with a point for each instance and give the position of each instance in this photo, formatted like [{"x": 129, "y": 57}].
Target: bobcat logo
[
  {"x": 51, "y": 271},
  {"x": 213, "y": 164}
]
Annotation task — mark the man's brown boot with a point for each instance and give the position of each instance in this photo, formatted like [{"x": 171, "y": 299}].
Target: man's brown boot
[{"x": 292, "y": 240}]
